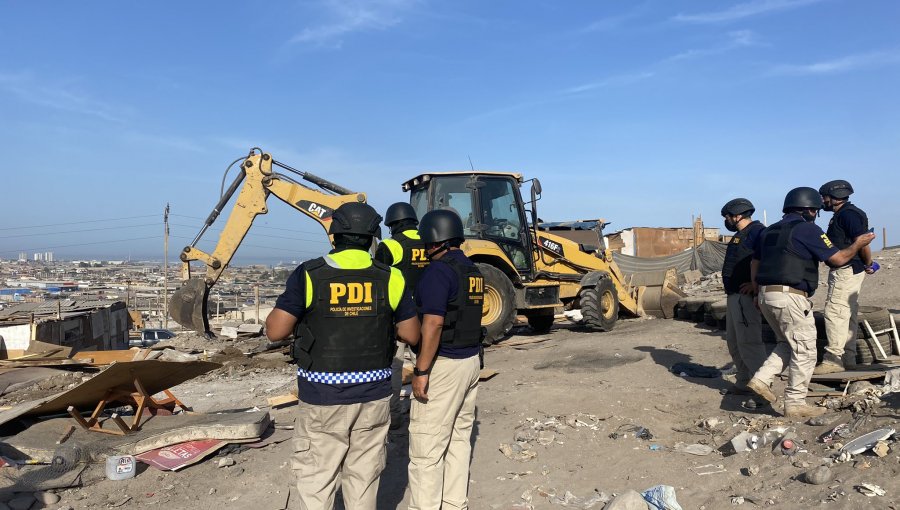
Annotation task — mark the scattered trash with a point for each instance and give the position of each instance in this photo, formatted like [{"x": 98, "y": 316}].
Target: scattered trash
[
  {"x": 751, "y": 470},
  {"x": 120, "y": 467},
  {"x": 226, "y": 462},
  {"x": 867, "y": 441},
  {"x": 871, "y": 490},
  {"x": 788, "y": 447},
  {"x": 881, "y": 449},
  {"x": 629, "y": 429},
  {"x": 694, "y": 449},
  {"x": 175, "y": 457},
  {"x": 739, "y": 500},
  {"x": 819, "y": 476},
  {"x": 661, "y": 497},
  {"x": 516, "y": 452},
  {"x": 743, "y": 442},
  {"x": 571, "y": 501},
  {"x": 628, "y": 500},
  {"x": 708, "y": 469},
  {"x": 841, "y": 431}
]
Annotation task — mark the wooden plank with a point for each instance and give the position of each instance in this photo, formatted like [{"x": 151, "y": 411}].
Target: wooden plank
[
  {"x": 106, "y": 357},
  {"x": 523, "y": 341},
  {"x": 155, "y": 376},
  {"x": 282, "y": 400},
  {"x": 850, "y": 375},
  {"x": 487, "y": 373}
]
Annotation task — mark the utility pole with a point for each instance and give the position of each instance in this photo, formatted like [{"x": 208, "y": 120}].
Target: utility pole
[
  {"x": 166, "y": 269},
  {"x": 256, "y": 299}
]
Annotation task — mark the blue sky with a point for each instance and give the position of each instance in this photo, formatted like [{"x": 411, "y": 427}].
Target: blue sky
[{"x": 643, "y": 113}]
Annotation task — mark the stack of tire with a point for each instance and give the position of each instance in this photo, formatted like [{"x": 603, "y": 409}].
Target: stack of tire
[{"x": 879, "y": 319}]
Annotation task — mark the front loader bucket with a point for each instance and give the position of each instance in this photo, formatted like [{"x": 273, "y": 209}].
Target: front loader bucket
[
  {"x": 657, "y": 292},
  {"x": 188, "y": 306}
]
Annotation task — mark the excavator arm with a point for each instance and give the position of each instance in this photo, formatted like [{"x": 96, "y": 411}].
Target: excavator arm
[{"x": 256, "y": 181}]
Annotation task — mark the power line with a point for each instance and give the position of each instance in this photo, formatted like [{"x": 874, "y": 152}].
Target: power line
[
  {"x": 83, "y": 230},
  {"x": 256, "y": 234},
  {"x": 80, "y": 222},
  {"x": 254, "y": 225},
  {"x": 80, "y": 244}
]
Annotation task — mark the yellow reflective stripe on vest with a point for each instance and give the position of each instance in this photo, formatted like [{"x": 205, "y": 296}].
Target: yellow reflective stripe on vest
[
  {"x": 412, "y": 234},
  {"x": 351, "y": 259},
  {"x": 395, "y": 249},
  {"x": 309, "y": 290},
  {"x": 396, "y": 286}
]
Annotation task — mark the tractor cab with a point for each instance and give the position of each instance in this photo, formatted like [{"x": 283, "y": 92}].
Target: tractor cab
[{"x": 489, "y": 205}]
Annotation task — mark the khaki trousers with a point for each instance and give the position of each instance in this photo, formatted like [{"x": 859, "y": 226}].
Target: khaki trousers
[
  {"x": 841, "y": 306},
  {"x": 440, "y": 432},
  {"x": 790, "y": 316},
  {"x": 743, "y": 334},
  {"x": 397, "y": 384},
  {"x": 340, "y": 445}
]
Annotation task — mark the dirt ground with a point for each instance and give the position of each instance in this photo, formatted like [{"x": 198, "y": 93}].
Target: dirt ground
[{"x": 562, "y": 398}]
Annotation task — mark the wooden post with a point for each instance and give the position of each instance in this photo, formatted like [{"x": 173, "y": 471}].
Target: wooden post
[
  {"x": 256, "y": 299},
  {"x": 166, "y": 269},
  {"x": 883, "y": 238}
]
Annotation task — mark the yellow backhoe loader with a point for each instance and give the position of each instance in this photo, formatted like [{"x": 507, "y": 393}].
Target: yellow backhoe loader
[
  {"x": 188, "y": 305},
  {"x": 531, "y": 271}
]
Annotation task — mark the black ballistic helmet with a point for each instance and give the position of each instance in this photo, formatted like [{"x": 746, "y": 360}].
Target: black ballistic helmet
[
  {"x": 839, "y": 189},
  {"x": 738, "y": 206},
  {"x": 440, "y": 225},
  {"x": 355, "y": 218},
  {"x": 399, "y": 212},
  {"x": 802, "y": 198}
]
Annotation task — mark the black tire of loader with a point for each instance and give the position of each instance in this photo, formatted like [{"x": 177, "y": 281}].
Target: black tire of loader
[
  {"x": 496, "y": 279},
  {"x": 591, "y": 307}
]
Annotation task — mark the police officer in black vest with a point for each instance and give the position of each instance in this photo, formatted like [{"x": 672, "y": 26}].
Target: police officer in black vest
[
  {"x": 405, "y": 251},
  {"x": 445, "y": 382},
  {"x": 345, "y": 310},
  {"x": 743, "y": 324},
  {"x": 844, "y": 283},
  {"x": 786, "y": 269}
]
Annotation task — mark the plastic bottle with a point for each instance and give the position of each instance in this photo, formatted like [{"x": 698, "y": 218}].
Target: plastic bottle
[
  {"x": 120, "y": 467},
  {"x": 788, "y": 447}
]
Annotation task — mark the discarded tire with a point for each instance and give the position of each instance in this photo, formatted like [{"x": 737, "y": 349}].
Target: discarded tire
[{"x": 879, "y": 318}]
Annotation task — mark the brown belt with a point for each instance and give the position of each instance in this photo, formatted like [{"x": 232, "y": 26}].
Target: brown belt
[{"x": 782, "y": 288}]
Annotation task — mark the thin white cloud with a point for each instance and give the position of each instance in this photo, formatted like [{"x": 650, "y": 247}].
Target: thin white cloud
[
  {"x": 744, "y": 10},
  {"x": 58, "y": 97},
  {"x": 351, "y": 16},
  {"x": 614, "y": 22},
  {"x": 624, "y": 79},
  {"x": 736, "y": 40},
  {"x": 841, "y": 65}
]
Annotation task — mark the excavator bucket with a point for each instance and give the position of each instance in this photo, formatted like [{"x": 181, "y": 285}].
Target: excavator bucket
[
  {"x": 188, "y": 306},
  {"x": 657, "y": 292}
]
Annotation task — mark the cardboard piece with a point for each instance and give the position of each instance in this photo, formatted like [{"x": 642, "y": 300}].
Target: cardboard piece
[
  {"x": 38, "y": 441},
  {"x": 486, "y": 373},
  {"x": 282, "y": 400},
  {"x": 177, "y": 456},
  {"x": 154, "y": 375}
]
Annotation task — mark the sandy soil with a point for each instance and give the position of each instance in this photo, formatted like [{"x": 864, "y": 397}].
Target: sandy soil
[{"x": 562, "y": 398}]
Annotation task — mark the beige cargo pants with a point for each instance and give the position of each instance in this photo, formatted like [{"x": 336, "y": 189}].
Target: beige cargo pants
[
  {"x": 340, "y": 446},
  {"x": 841, "y": 306},
  {"x": 440, "y": 433},
  {"x": 790, "y": 316},
  {"x": 743, "y": 334}
]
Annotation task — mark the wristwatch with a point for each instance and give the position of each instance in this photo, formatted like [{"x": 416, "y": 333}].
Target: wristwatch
[{"x": 417, "y": 372}]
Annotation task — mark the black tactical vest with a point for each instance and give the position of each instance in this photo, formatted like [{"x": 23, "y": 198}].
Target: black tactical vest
[
  {"x": 839, "y": 237},
  {"x": 414, "y": 260},
  {"x": 780, "y": 265},
  {"x": 736, "y": 269},
  {"x": 462, "y": 324},
  {"x": 349, "y": 326}
]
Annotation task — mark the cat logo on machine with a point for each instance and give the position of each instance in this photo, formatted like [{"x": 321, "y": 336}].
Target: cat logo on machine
[
  {"x": 314, "y": 209},
  {"x": 552, "y": 246},
  {"x": 350, "y": 299}
]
